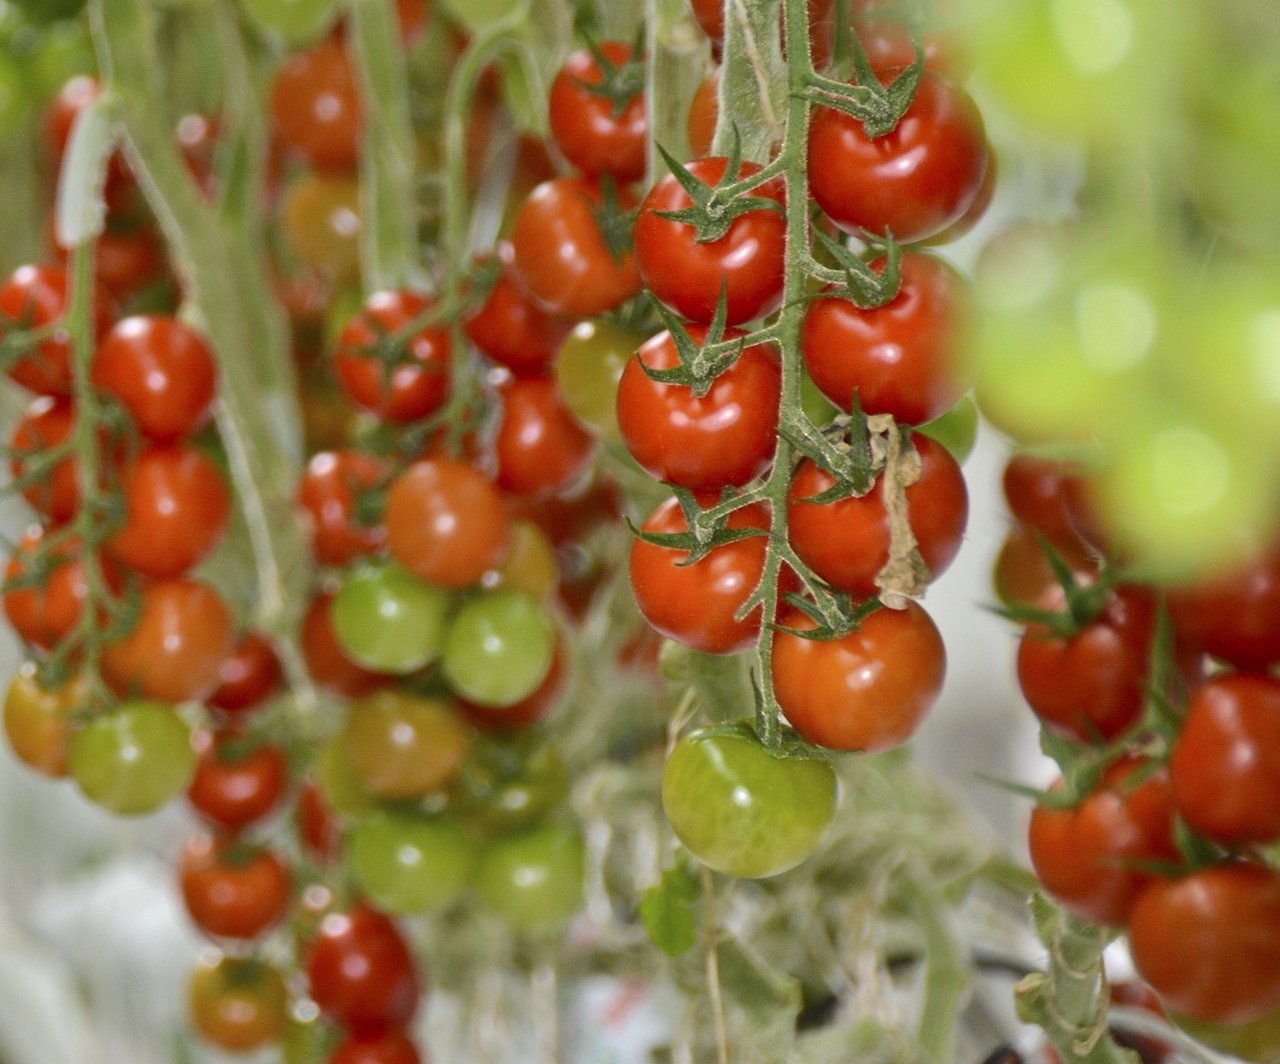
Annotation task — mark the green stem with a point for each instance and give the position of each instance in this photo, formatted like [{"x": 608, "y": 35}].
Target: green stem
[
  {"x": 713, "y": 967},
  {"x": 946, "y": 979}
]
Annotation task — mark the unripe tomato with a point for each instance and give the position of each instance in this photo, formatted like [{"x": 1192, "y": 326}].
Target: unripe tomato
[
  {"x": 134, "y": 759},
  {"x": 407, "y": 863},
  {"x": 38, "y": 720},
  {"x": 534, "y": 879},
  {"x": 390, "y": 621},
  {"x": 404, "y": 746},
  {"x": 238, "y": 1004}
]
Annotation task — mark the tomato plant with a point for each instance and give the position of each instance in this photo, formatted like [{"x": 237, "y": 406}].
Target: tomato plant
[
  {"x": 407, "y": 863},
  {"x": 388, "y": 620},
  {"x": 540, "y": 446},
  {"x": 315, "y": 105},
  {"x": 499, "y": 648},
  {"x": 509, "y": 328}
]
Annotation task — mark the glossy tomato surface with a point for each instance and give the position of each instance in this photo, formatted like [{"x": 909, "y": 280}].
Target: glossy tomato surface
[
  {"x": 361, "y": 970},
  {"x": 595, "y": 133}
]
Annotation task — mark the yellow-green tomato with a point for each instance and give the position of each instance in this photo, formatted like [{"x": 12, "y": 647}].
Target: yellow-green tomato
[
  {"x": 741, "y": 810},
  {"x": 390, "y": 621},
  {"x": 499, "y": 647},
  {"x": 407, "y": 863},
  {"x": 534, "y": 880},
  {"x": 588, "y": 367},
  {"x": 134, "y": 759}
]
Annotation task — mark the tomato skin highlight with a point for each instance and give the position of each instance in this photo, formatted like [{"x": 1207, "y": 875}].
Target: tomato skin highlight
[
  {"x": 541, "y": 447},
  {"x": 362, "y": 972},
  {"x": 585, "y": 126}
]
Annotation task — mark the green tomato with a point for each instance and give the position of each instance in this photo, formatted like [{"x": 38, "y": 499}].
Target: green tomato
[
  {"x": 390, "y": 621},
  {"x": 956, "y": 429},
  {"x": 134, "y": 759},
  {"x": 296, "y": 22},
  {"x": 506, "y": 785},
  {"x": 588, "y": 367},
  {"x": 339, "y": 782},
  {"x": 534, "y": 880},
  {"x": 407, "y": 863},
  {"x": 499, "y": 647},
  {"x": 742, "y": 811}
]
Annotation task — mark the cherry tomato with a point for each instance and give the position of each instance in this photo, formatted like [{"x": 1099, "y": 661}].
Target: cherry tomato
[
  {"x": 1036, "y": 490},
  {"x": 162, "y": 371},
  {"x": 125, "y": 260},
  {"x": 906, "y": 358},
  {"x": 1089, "y": 857},
  {"x": 47, "y": 609},
  {"x": 321, "y": 221},
  {"x": 233, "y": 890},
  {"x": 588, "y": 367},
  {"x": 726, "y": 436},
  {"x": 562, "y": 257},
  {"x": 912, "y": 182},
  {"x": 390, "y": 621},
  {"x": 121, "y": 192},
  {"x": 248, "y": 677},
  {"x": 511, "y": 783},
  {"x": 316, "y": 108},
  {"x": 1236, "y": 616},
  {"x": 327, "y": 661},
  {"x": 48, "y": 422},
  {"x": 134, "y": 759},
  {"x": 446, "y": 523},
  {"x": 1023, "y": 576},
  {"x": 747, "y": 262},
  {"x": 318, "y": 829},
  {"x": 534, "y": 879},
  {"x": 415, "y": 382},
  {"x": 238, "y": 1004},
  {"x": 847, "y": 542},
  {"x": 331, "y": 485},
  {"x": 408, "y": 863},
  {"x": 886, "y": 42},
  {"x": 499, "y": 647},
  {"x": 868, "y": 690},
  {"x": 510, "y": 329},
  {"x": 743, "y": 811},
  {"x": 294, "y": 21},
  {"x": 530, "y": 563},
  {"x": 527, "y": 711},
  {"x": 1226, "y": 760},
  {"x": 404, "y": 746},
  {"x": 234, "y": 787},
  {"x": 381, "y": 1047},
  {"x": 33, "y": 297},
  {"x": 704, "y": 112},
  {"x": 38, "y": 720},
  {"x": 362, "y": 972},
  {"x": 176, "y": 649},
  {"x": 1209, "y": 942},
  {"x": 597, "y": 134},
  {"x": 541, "y": 448}
]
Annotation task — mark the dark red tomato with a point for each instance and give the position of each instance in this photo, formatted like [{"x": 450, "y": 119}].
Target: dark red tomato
[
  {"x": 847, "y": 542},
  {"x": 378, "y": 1047},
  {"x": 327, "y": 661},
  {"x": 914, "y": 181},
  {"x": 233, "y": 890},
  {"x": 36, "y": 296},
  {"x": 248, "y": 677},
  {"x": 529, "y": 710},
  {"x": 688, "y": 276},
  {"x": 316, "y": 108},
  {"x": 1209, "y": 942},
  {"x": 176, "y": 649},
  {"x": 362, "y": 972},
  {"x": 233, "y": 787},
  {"x": 1226, "y": 761},
  {"x": 1091, "y": 685},
  {"x": 318, "y": 829},
  {"x": 1234, "y": 617},
  {"x": 724, "y": 437},
  {"x": 562, "y": 258},
  {"x": 697, "y": 604},
  {"x": 976, "y": 210},
  {"x": 908, "y": 358},
  {"x": 331, "y": 484},
  {"x": 48, "y": 422},
  {"x": 176, "y": 509},
  {"x": 596, "y": 134},
  {"x": 446, "y": 522},
  {"x": 162, "y": 371},
  {"x": 510, "y": 329},
  {"x": 1035, "y": 489},
  {"x": 540, "y": 446},
  {"x": 411, "y": 386},
  {"x": 868, "y": 690},
  {"x": 47, "y": 611},
  {"x": 1089, "y": 857}
]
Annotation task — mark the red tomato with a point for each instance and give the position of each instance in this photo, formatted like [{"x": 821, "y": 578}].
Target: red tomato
[
  {"x": 416, "y": 382},
  {"x": 1209, "y": 942},
  {"x": 124, "y": 260},
  {"x": 1035, "y": 489},
  {"x": 176, "y": 649},
  {"x": 327, "y": 661},
  {"x": 47, "y": 611},
  {"x": 510, "y": 329},
  {"x": 176, "y": 509},
  {"x": 562, "y": 258},
  {"x": 48, "y": 422},
  {"x": 1088, "y": 857},
  {"x": 362, "y": 972},
  {"x": 541, "y": 447},
  {"x": 77, "y": 93},
  {"x": 316, "y": 108},
  {"x": 847, "y": 542},
  {"x": 318, "y": 829},
  {"x": 1023, "y": 576},
  {"x": 724, "y": 437},
  {"x": 1226, "y": 761},
  {"x": 908, "y": 358},
  {"x": 688, "y": 276},
  {"x": 248, "y": 677},
  {"x": 380, "y": 1047},
  {"x": 35, "y": 296},
  {"x": 696, "y": 604},
  {"x": 595, "y": 133},
  {"x": 914, "y": 181},
  {"x": 868, "y": 690},
  {"x": 233, "y": 788},
  {"x": 446, "y": 522},
  {"x": 330, "y": 486},
  {"x": 704, "y": 112},
  {"x": 1234, "y": 617},
  {"x": 232, "y": 890},
  {"x": 162, "y": 371},
  {"x": 887, "y": 43}
]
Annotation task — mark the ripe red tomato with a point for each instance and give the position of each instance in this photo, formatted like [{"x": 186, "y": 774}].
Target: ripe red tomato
[
  {"x": 562, "y": 258},
  {"x": 446, "y": 522},
  {"x": 362, "y": 972},
  {"x": 887, "y": 43},
  {"x": 248, "y": 677},
  {"x": 48, "y": 610},
  {"x": 316, "y": 108},
  {"x": 1209, "y": 942},
  {"x": 416, "y": 383},
  {"x": 868, "y": 690},
  {"x": 35, "y": 296},
  {"x": 847, "y": 542},
  {"x": 701, "y": 442},
  {"x": 125, "y": 260},
  {"x": 1226, "y": 760},
  {"x": 232, "y": 787},
  {"x": 595, "y": 133},
  {"x": 704, "y": 112},
  {"x": 696, "y": 604},
  {"x": 327, "y": 661},
  {"x": 378, "y": 1047},
  {"x": 1035, "y": 489},
  {"x": 238, "y": 1004},
  {"x": 162, "y": 371},
  {"x": 1088, "y": 857},
  {"x": 176, "y": 509},
  {"x": 1022, "y": 575},
  {"x": 318, "y": 829},
  {"x": 331, "y": 483},
  {"x": 232, "y": 890},
  {"x": 176, "y": 649},
  {"x": 510, "y": 329},
  {"x": 914, "y": 181},
  {"x": 908, "y": 358},
  {"x": 540, "y": 446},
  {"x": 1236, "y": 616},
  {"x": 47, "y": 423},
  {"x": 688, "y": 276}
]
